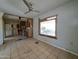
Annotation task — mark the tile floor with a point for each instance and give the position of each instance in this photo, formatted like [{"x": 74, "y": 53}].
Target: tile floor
[{"x": 28, "y": 49}]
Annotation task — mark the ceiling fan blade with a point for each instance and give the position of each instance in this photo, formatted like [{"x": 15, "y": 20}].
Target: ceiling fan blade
[
  {"x": 36, "y": 11},
  {"x": 26, "y": 12},
  {"x": 29, "y": 5},
  {"x": 26, "y": 3}
]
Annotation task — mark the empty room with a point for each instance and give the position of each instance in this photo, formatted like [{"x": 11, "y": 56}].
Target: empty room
[{"x": 38, "y": 29}]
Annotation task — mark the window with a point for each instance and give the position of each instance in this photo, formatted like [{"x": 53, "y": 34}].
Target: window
[{"x": 48, "y": 27}]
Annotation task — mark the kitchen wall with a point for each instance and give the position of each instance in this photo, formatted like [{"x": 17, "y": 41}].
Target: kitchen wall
[
  {"x": 67, "y": 31},
  {"x": 1, "y": 28},
  {"x": 8, "y": 28}
]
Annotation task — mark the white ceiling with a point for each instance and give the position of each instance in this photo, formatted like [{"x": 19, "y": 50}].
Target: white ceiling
[{"x": 17, "y": 7}]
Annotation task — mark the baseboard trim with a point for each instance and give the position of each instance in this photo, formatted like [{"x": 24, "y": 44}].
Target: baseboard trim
[
  {"x": 60, "y": 48},
  {"x": 65, "y": 50}
]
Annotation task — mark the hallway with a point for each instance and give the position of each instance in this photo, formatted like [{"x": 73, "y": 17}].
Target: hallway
[{"x": 28, "y": 49}]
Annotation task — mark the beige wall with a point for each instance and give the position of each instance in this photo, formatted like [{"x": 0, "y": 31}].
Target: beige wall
[{"x": 67, "y": 31}]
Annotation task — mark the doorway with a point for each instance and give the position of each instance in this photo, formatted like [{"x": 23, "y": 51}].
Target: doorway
[{"x": 15, "y": 27}]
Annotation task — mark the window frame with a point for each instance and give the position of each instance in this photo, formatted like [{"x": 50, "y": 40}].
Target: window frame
[{"x": 45, "y": 19}]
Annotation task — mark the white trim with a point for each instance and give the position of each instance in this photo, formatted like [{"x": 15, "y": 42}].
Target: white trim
[{"x": 65, "y": 50}]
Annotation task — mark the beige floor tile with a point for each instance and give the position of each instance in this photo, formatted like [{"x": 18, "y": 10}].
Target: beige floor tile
[{"x": 28, "y": 49}]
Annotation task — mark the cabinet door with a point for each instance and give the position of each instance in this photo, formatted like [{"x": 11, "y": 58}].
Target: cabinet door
[{"x": 30, "y": 27}]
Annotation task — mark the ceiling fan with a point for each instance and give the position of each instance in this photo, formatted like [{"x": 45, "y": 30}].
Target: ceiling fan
[{"x": 29, "y": 5}]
